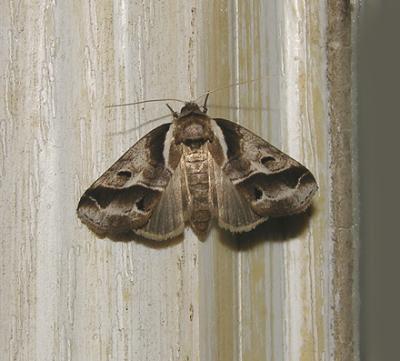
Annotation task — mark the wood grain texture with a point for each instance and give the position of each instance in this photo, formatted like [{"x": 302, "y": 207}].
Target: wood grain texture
[{"x": 267, "y": 295}]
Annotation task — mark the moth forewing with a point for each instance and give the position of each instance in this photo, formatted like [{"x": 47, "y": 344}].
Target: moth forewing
[
  {"x": 192, "y": 171},
  {"x": 125, "y": 196},
  {"x": 273, "y": 183}
]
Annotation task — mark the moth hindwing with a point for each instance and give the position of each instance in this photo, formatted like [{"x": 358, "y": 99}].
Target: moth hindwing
[{"x": 192, "y": 171}]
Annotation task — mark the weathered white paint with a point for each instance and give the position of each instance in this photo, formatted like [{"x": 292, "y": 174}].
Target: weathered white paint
[{"x": 66, "y": 295}]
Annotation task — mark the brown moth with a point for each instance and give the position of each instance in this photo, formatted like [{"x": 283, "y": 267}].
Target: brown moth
[{"x": 194, "y": 170}]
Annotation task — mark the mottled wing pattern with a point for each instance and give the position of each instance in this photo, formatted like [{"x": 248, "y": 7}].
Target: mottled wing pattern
[
  {"x": 128, "y": 193},
  {"x": 272, "y": 183}
]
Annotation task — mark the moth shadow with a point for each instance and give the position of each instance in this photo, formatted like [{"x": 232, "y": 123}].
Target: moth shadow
[
  {"x": 133, "y": 237},
  {"x": 279, "y": 229}
]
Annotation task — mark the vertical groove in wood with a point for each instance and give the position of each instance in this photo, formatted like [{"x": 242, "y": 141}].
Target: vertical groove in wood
[
  {"x": 258, "y": 104},
  {"x": 304, "y": 121},
  {"x": 218, "y": 271},
  {"x": 343, "y": 199}
]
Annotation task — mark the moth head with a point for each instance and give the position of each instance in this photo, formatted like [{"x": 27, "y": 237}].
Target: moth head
[
  {"x": 192, "y": 126},
  {"x": 190, "y": 108}
]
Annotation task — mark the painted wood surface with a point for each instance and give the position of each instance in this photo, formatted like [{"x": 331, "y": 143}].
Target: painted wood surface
[{"x": 276, "y": 293}]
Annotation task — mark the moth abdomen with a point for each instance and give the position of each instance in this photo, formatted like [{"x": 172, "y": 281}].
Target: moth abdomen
[{"x": 198, "y": 186}]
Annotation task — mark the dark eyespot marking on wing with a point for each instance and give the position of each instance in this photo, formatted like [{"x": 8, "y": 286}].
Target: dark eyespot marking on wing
[
  {"x": 267, "y": 161},
  {"x": 258, "y": 193},
  {"x": 124, "y": 174}
]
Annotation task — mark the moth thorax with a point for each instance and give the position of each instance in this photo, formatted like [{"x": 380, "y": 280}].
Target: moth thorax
[{"x": 194, "y": 134}]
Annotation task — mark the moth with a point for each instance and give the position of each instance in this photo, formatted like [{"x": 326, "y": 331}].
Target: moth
[{"x": 192, "y": 171}]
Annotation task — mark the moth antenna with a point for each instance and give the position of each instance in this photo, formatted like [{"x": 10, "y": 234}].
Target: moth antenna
[
  {"x": 229, "y": 86},
  {"x": 145, "y": 101},
  {"x": 205, "y": 103},
  {"x": 174, "y": 113},
  {"x": 142, "y": 124}
]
